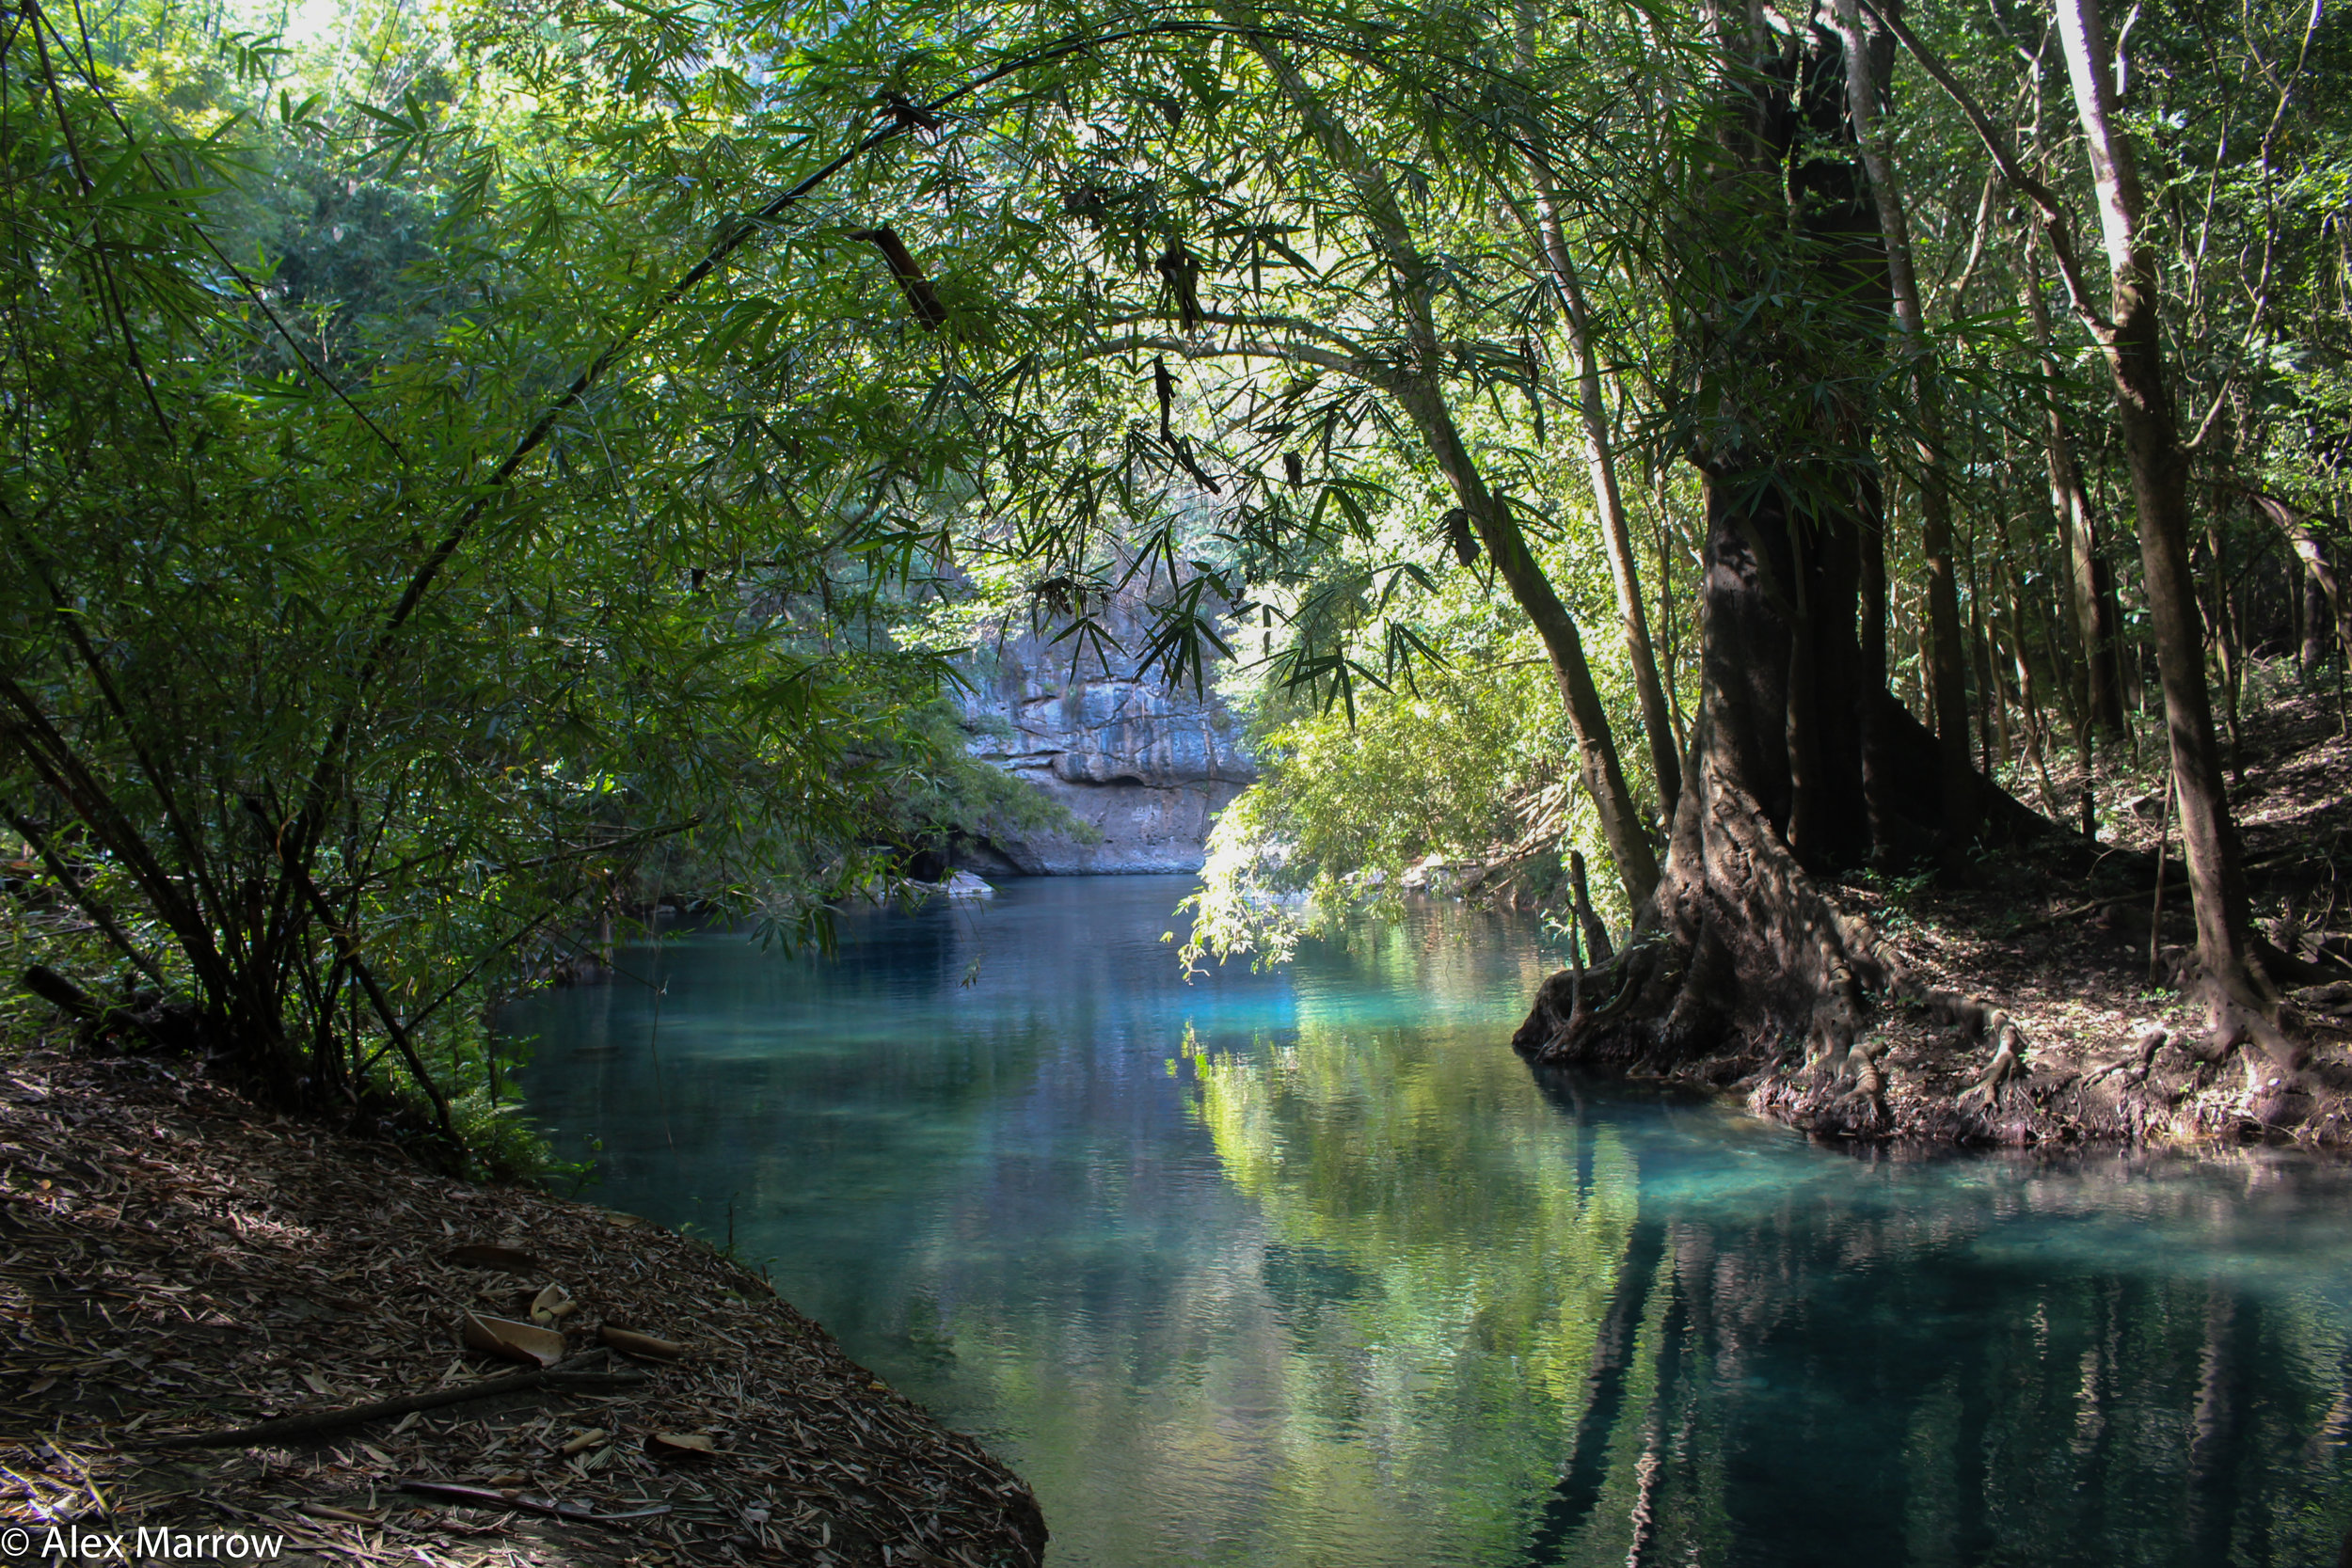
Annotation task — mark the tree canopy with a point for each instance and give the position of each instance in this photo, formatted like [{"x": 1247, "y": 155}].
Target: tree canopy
[{"x": 471, "y": 473}]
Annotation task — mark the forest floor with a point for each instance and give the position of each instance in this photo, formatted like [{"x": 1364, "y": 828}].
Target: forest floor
[
  {"x": 175, "y": 1262},
  {"x": 2061, "y": 943}
]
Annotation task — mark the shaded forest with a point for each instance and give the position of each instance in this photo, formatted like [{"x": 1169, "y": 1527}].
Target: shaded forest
[{"x": 475, "y": 478}]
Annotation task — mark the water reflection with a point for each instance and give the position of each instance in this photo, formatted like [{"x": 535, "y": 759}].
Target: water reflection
[{"x": 1306, "y": 1269}]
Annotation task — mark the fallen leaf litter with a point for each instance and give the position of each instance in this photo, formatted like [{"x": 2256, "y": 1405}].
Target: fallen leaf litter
[{"x": 177, "y": 1265}]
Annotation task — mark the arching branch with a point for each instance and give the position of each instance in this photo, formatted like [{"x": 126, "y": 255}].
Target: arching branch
[{"x": 2045, "y": 201}]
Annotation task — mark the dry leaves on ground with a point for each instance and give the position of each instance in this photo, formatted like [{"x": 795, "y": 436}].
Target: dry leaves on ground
[{"x": 174, "y": 1262}]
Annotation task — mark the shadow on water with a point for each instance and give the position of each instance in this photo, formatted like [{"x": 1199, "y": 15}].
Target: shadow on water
[
  {"x": 1915, "y": 1356},
  {"x": 1307, "y": 1269}
]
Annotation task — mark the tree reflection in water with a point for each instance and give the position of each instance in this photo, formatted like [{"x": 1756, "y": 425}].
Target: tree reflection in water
[
  {"x": 1892, "y": 1357},
  {"x": 1306, "y": 1270}
]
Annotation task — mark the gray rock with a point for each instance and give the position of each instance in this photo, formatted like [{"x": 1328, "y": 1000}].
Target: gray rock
[
  {"x": 1148, "y": 767},
  {"x": 960, "y": 887}
]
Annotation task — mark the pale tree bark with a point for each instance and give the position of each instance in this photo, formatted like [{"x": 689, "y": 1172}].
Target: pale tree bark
[
  {"x": 2135, "y": 354},
  {"x": 2093, "y": 591},
  {"x": 1600, "y": 465},
  {"x": 1608, "y": 501},
  {"x": 1946, "y": 654},
  {"x": 1603, "y": 773},
  {"x": 2129, "y": 336}
]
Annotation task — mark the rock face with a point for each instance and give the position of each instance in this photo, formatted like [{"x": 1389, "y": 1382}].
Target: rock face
[{"x": 1148, "y": 767}]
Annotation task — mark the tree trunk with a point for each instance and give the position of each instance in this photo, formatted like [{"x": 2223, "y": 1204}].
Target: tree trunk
[
  {"x": 1946, "y": 651},
  {"x": 2322, "y": 600},
  {"x": 1610, "y": 504},
  {"x": 1743, "y": 946},
  {"x": 2093, "y": 590},
  {"x": 1608, "y": 501},
  {"x": 1418, "y": 391},
  {"x": 1600, "y": 465},
  {"x": 1597, "y": 944},
  {"x": 2314, "y": 623},
  {"x": 2028, "y": 706},
  {"x": 1877, "y": 772},
  {"x": 1992, "y": 701},
  {"x": 2224, "y": 621},
  {"x": 1666, "y": 628},
  {"x": 1801, "y": 762},
  {"x": 2236, "y": 999},
  {"x": 1621, "y": 825}
]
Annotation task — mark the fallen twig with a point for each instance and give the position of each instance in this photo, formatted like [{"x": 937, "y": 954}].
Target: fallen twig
[
  {"x": 2072, "y": 913},
  {"x": 482, "y": 1497},
  {"x": 558, "y": 1377}
]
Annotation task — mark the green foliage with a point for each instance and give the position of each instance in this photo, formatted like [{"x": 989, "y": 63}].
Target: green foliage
[
  {"x": 462, "y": 483},
  {"x": 348, "y": 659},
  {"x": 961, "y": 798},
  {"x": 1433, "y": 784}
]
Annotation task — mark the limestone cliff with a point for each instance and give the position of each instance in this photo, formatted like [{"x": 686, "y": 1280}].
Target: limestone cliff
[{"x": 1148, "y": 767}]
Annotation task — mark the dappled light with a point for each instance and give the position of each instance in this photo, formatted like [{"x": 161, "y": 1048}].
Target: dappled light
[{"x": 1384, "y": 784}]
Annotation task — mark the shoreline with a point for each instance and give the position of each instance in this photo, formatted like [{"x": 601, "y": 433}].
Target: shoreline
[
  {"x": 178, "y": 1262},
  {"x": 1930, "y": 1071},
  {"x": 2064, "y": 950}
]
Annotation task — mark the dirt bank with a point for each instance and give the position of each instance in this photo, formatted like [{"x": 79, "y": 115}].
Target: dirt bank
[
  {"x": 175, "y": 1263},
  {"x": 2050, "y": 951}
]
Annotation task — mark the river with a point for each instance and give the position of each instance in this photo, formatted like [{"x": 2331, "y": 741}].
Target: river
[{"x": 1307, "y": 1269}]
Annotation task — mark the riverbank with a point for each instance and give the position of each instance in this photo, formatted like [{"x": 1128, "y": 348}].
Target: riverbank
[
  {"x": 2071, "y": 955},
  {"x": 176, "y": 1264}
]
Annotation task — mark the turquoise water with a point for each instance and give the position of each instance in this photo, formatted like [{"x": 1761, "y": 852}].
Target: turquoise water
[{"x": 1307, "y": 1269}]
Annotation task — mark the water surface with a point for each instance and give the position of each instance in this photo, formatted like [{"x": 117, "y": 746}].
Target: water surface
[{"x": 1307, "y": 1269}]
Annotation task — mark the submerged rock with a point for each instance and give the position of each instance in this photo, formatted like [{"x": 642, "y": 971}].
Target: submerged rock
[{"x": 963, "y": 885}]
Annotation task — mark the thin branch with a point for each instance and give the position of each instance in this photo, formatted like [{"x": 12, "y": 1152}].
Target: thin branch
[
  {"x": 2054, "y": 219},
  {"x": 2258, "y": 296},
  {"x": 62, "y": 770},
  {"x": 320, "y": 786},
  {"x": 88, "y": 67},
  {"x": 348, "y": 942},
  {"x": 1300, "y": 354},
  {"x": 191, "y": 843},
  {"x": 1280, "y": 323},
  {"x": 98, "y": 251},
  {"x": 741, "y": 233},
  {"x": 382, "y": 876},
  {"x": 291, "y": 1427},
  {"x": 102, "y": 918}
]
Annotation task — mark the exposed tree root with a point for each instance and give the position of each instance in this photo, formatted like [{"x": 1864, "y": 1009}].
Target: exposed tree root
[
  {"x": 2008, "y": 1061},
  {"x": 1747, "y": 976},
  {"x": 1746, "y": 971}
]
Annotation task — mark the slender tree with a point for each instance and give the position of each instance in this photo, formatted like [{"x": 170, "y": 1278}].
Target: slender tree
[
  {"x": 1601, "y": 463},
  {"x": 1945, "y": 659},
  {"x": 2132, "y": 337},
  {"x": 1415, "y": 381},
  {"x": 2093, "y": 588},
  {"x": 2129, "y": 333}
]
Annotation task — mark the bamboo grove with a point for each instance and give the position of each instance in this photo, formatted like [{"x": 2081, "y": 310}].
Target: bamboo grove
[{"x": 469, "y": 475}]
